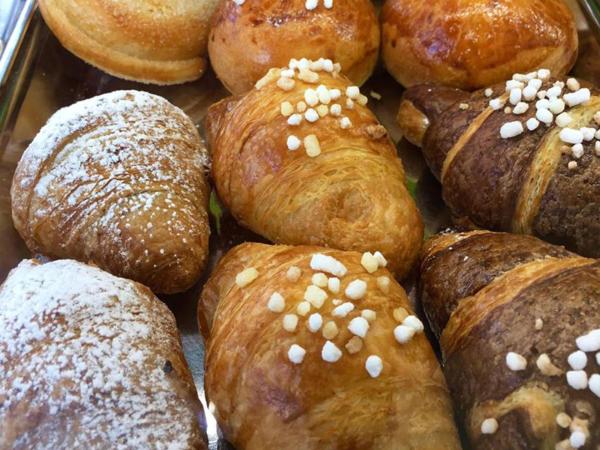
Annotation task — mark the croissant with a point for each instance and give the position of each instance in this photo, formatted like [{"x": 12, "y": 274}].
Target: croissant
[
  {"x": 518, "y": 325},
  {"x": 118, "y": 180},
  {"x": 472, "y": 44},
  {"x": 141, "y": 40},
  {"x": 523, "y": 156},
  {"x": 248, "y": 38},
  {"x": 90, "y": 360},
  {"x": 311, "y": 348},
  {"x": 300, "y": 159}
]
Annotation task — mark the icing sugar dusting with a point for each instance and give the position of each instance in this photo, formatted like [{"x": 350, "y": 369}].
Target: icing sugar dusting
[
  {"x": 88, "y": 359},
  {"x": 101, "y": 168}
]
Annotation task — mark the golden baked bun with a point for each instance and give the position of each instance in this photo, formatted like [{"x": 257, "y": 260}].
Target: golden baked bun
[
  {"x": 150, "y": 41},
  {"x": 299, "y": 178},
  {"x": 118, "y": 180},
  {"x": 246, "y": 40},
  {"x": 296, "y": 361},
  {"x": 475, "y": 43}
]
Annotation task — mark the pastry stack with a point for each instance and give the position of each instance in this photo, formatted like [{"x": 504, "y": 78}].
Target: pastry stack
[{"x": 311, "y": 342}]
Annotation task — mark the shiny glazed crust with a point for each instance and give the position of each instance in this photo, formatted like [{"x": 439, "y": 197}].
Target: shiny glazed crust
[
  {"x": 264, "y": 401},
  {"x": 90, "y": 360},
  {"x": 141, "y": 40},
  {"x": 247, "y": 40},
  {"x": 521, "y": 185},
  {"x": 475, "y": 43},
  {"x": 118, "y": 180},
  {"x": 352, "y": 196},
  {"x": 483, "y": 293}
]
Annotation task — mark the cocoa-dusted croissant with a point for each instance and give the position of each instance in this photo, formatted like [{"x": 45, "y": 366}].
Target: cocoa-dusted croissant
[
  {"x": 521, "y": 156},
  {"x": 247, "y": 39},
  {"x": 118, "y": 180},
  {"x": 142, "y": 40},
  {"x": 304, "y": 352},
  {"x": 300, "y": 159},
  {"x": 519, "y": 327},
  {"x": 89, "y": 360},
  {"x": 474, "y": 43}
]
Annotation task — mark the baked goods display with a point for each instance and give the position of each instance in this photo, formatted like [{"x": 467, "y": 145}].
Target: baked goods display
[
  {"x": 521, "y": 156},
  {"x": 248, "y": 37},
  {"x": 118, "y": 180},
  {"x": 492, "y": 342},
  {"x": 142, "y": 40},
  {"x": 90, "y": 360},
  {"x": 301, "y": 159},
  {"x": 312, "y": 348},
  {"x": 472, "y": 44},
  {"x": 517, "y": 320}
]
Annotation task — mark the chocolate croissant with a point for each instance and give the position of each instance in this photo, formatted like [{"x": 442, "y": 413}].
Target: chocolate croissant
[
  {"x": 311, "y": 348},
  {"x": 519, "y": 328},
  {"x": 118, "y": 180},
  {"x": 522, "y": 157},
  {"x": 300, "y": 159},
  {"x": 89, "y": 360}
]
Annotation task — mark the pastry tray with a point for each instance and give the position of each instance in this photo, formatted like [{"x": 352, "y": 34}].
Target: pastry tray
[{"x": 46, "y": 77}]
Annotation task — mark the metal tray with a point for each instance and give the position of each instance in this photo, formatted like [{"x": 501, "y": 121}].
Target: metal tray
[{"x": 45, "y": 77}]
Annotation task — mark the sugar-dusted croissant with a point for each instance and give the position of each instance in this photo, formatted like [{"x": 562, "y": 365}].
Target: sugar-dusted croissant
[
  {"x": 301, "y": 160},
  {"x": 89, "y": 360},
  {"x": 304, "y": 352},
  {"x": 474, "y": 43},
  {"x": 248, "y": 38},
  {"x": 523, "y": 156},
  {"x": 118, "y": 180},
  {"x": 519, "y": 327},
  {"x": 142, "y": 40}
]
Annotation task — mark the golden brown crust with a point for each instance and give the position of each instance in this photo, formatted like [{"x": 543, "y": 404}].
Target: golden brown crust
[
  {"x": 473, "y": 44},
  {"x": 140, "y": 40},
  {"x": 91, "y": 360},
  {"x": 352, "y": 196},
  {"x": 247, "y": 40},
  {"x": 262, "y": 400},
  {"x": 118, "y": 180},
  {"x": 510, "y": 293}
]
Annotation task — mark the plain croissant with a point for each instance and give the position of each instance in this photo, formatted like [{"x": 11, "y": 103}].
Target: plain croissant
[
  {"x": 89, "y": 360},
  {"x": 300, "y": 159},
  {"x": 519, "y": 327},
  {"x": 520, "y": 157},
  {"x": 118, "y": 180},
  {"x": 303, "y": 353}
]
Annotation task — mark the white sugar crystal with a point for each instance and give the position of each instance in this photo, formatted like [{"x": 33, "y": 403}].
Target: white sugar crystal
[
  {"x": 276, "y": 303},
  {"x": 369, "y": 262},
  {"x": 403, "y": 333},
  {"x": 533, "y": 124},
  {"x": 330, "y": 352},
  {"x": 489, "y": 426},
  {"x": 343, "y": 310},
  {"x": 563, "y": 119},
  {"x": 356, "y": 289},
  {"x": 329, "y": 264},
  {"x": 320, "y": 280},
  {"x": 515, "y": 362},
  {"x": 571, "y": 136},
  {"x": 315, "y": 296},
  {"x": 414, "y": 322},
  {"x": 246, "y": 276},
  {"x": 577, "y": 379},
  {"x": 293, "y": 273},
  {"x": 290, "y": 322},
  {"x": 511, "y": 129},
  {"x": 374, "y": 366},
  {"x": 578, "y": 97},
  {"x": 293, "y": 143},
  {"x": 589, "y": 342},
  {"x": 315, "y": 321},
  {"x": 369, "y": 314},
  {"x": 333, "y": 284},
  {"x": 577, "y": 360},
  {"x": 296, "y": 354},
  {"x": 359, "y": 326}
]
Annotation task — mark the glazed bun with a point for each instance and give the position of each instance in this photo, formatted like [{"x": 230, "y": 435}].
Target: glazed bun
[
  {"x": 247, "y": 40},
  {"x": 140, "y": 40},
  {"x": 475, "y": 43}
]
